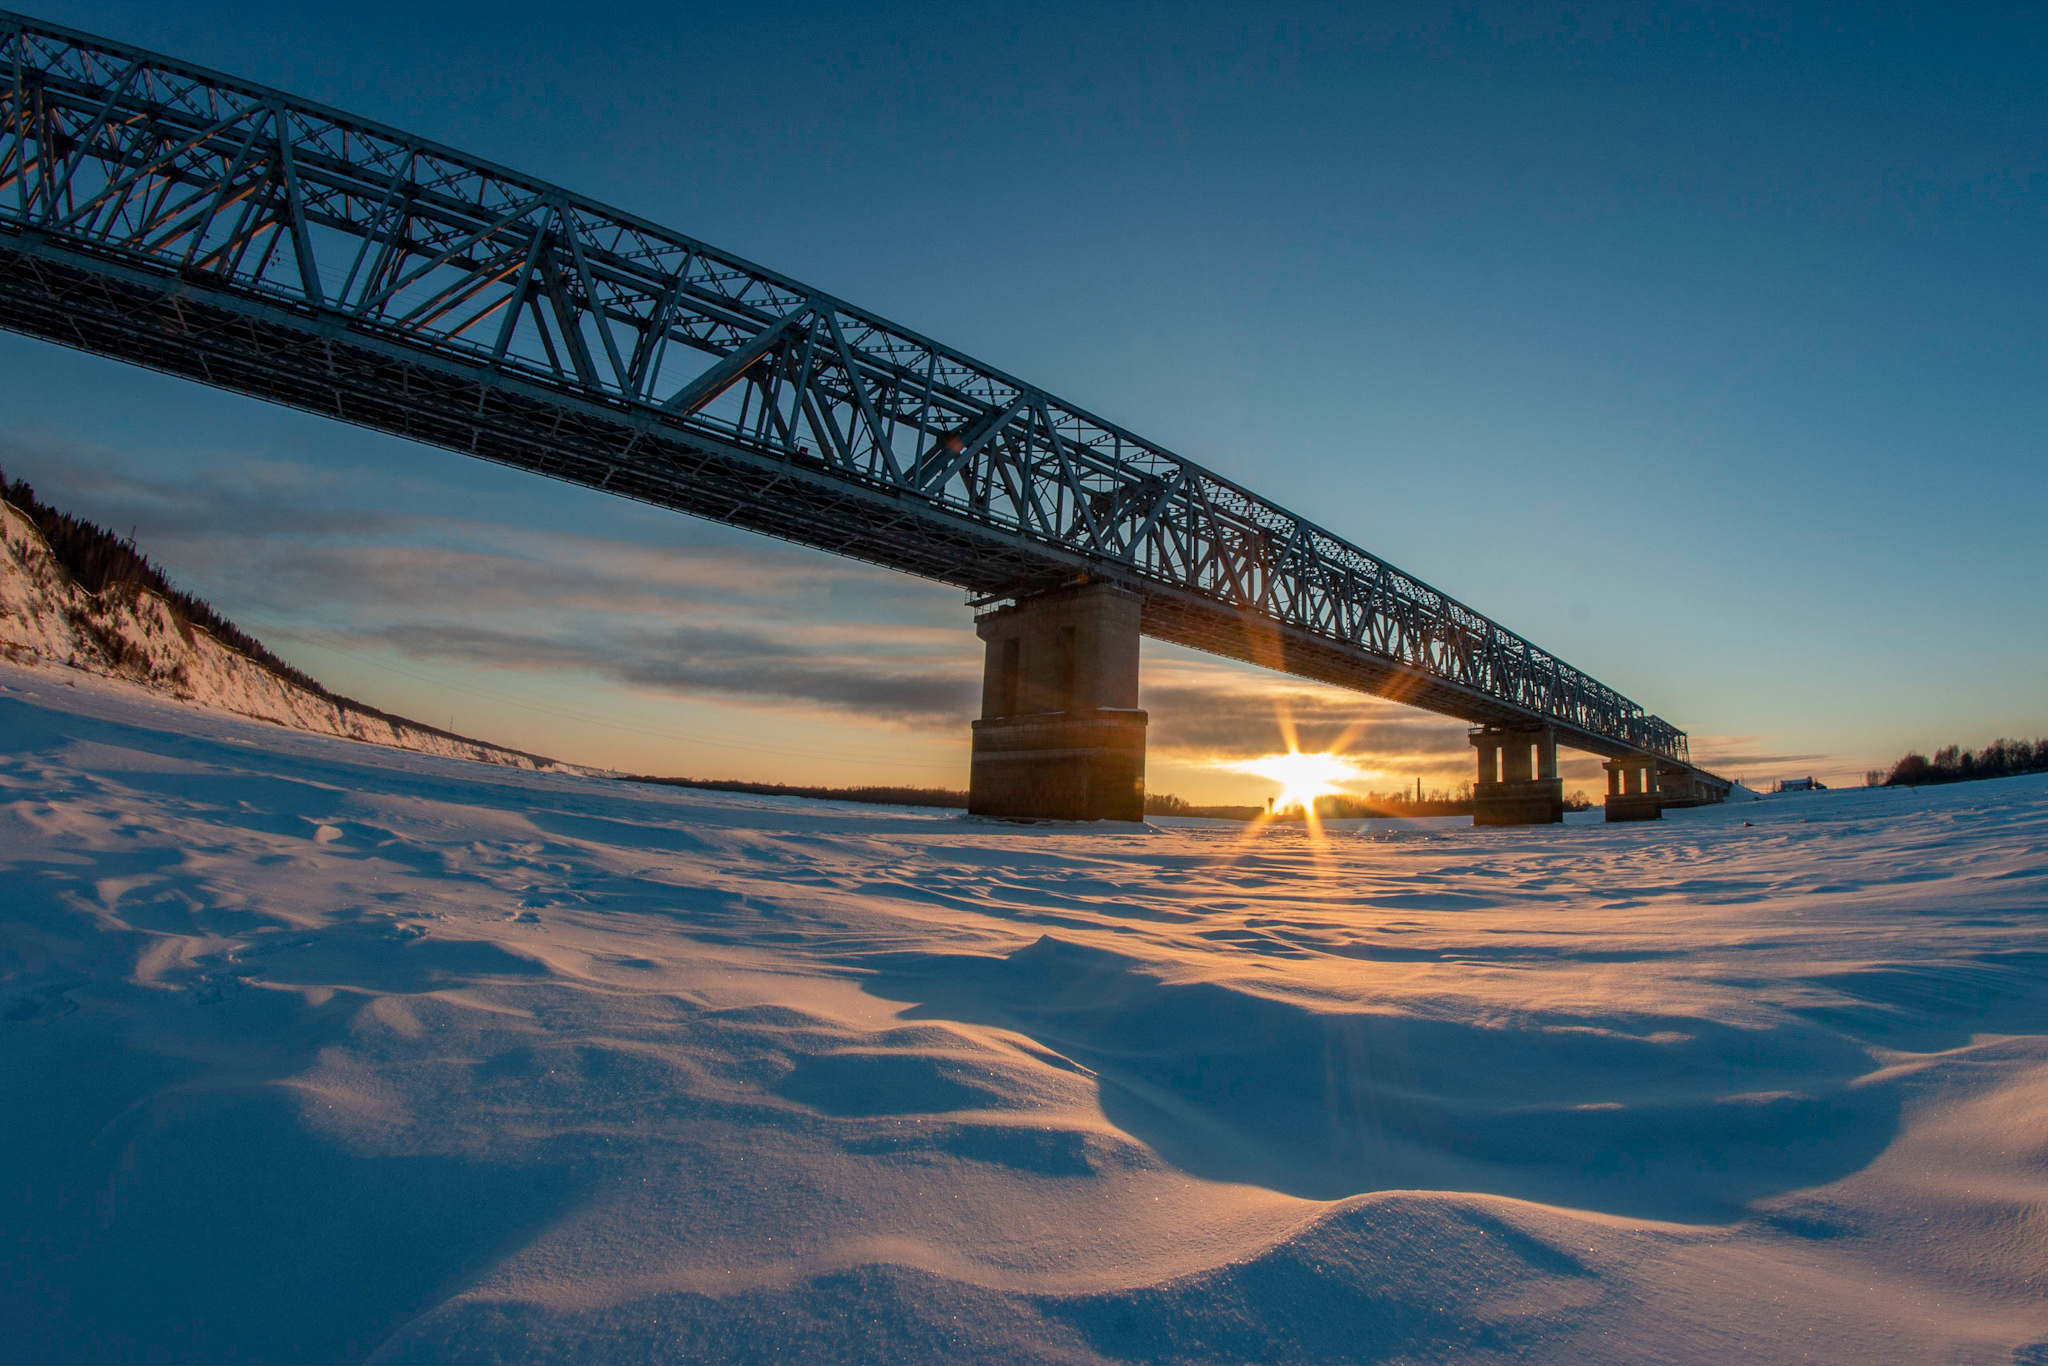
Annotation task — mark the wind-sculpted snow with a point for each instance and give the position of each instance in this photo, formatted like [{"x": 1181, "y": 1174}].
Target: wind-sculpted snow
[
  {"x": 1665, "y": 1115},
  {"x": 318, "y": 1051}
]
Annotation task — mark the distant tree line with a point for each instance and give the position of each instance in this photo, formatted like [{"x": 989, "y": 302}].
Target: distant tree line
[
  {"x": 1344, "y": 806},
  {"x": 1156, "y": 803},
  {"x": 1335, "y": 806},
  {"x": 1166, "y": 804},
  {"x": 1999, "y": 759},
  {"x": 1339, "y": 806},
  {"x": 879, "y": 796}
]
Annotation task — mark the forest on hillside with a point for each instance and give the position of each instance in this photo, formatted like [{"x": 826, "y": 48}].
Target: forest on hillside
[{"x": 100, "y": 562}]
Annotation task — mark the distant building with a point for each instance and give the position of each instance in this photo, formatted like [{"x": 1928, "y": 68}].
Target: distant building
[{"x": 1800, "y": 785}]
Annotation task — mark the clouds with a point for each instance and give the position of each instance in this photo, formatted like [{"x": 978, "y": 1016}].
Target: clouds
[
  {"x": 1732, "y": 754},
  {"x": 761, "y": 628},
  {"x": 466, "y": 568},
  {"x": 250, "y": 496},
  {"x": 1206, "y": 710},
  {"x": 481, "y": 571},
  {"x": 669, "y": 607},
  {"x": 1247, "y": 718},
  {"x": 755, "y": 668}
]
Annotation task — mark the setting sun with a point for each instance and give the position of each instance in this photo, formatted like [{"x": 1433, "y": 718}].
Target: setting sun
[{"x": 1302, "y": 777}]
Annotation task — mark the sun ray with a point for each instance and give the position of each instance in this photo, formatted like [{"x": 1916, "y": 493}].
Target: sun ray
[{"x": 1302, "y": 777}]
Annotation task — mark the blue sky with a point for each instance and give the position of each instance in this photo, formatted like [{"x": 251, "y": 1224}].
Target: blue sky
[{"x": 1704, "y": 346}]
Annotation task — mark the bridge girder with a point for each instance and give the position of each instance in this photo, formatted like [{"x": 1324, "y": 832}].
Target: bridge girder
[{"x": 180, "y": 219}]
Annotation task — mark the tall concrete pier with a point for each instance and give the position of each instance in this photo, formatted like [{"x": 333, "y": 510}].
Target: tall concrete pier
[
  {"x": 1642, "y": 788},
  {"x": 1632, "y": 789},
  {"x": 1518, "y": 782},
  {"x": 1060, "y": 735}
]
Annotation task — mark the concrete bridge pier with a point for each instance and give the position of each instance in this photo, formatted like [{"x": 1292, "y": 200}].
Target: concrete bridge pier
[
  {"x": 1060, "y": 735},
  {"x": 1632, "y": 789},
  {"x": 1518, "y": 782},
  {"x": 1640, "y": 788}
]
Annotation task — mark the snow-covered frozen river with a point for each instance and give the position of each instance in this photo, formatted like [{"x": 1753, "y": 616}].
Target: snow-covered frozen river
[{"x": 319, "y": 1051}]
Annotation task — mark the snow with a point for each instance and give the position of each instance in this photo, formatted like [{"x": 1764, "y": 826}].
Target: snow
[{"x": 315, "y": 1050}]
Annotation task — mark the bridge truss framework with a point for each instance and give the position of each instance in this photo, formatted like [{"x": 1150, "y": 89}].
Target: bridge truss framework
[{"x": 180, "y": 219}]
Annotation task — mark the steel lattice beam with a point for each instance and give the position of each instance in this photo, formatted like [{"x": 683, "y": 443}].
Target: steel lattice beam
[{"x": 180, "y": 219}]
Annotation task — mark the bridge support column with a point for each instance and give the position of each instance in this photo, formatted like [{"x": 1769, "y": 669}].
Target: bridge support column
[
  {"x": 1060, "y": 735},
  {"x": 1518, "y": 782},
  {"x": 1632, "y": 789}
]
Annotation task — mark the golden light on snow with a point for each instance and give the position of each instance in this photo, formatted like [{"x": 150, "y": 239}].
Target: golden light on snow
[{"x": 1302, "y": 777}]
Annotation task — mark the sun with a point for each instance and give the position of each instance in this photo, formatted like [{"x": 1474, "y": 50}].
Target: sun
[{"x": 1302, "y": 777}]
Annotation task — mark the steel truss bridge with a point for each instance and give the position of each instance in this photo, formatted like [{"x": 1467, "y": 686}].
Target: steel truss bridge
[{"x": 176, "y": 218}]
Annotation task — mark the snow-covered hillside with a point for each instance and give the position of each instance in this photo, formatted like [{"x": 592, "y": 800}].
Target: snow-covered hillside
[
  {"x": 133, "y": 634},
  {"x": 317, "y": 1051}
]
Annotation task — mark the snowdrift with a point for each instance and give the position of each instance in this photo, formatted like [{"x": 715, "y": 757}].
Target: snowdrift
[
  {"x": 315, "y": 1051},
  {"x": 131, "y": 633}
]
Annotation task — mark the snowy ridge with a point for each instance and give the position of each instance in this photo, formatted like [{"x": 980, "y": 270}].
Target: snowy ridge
[
  {"x": 314, "y": 1051},
  {"x": 131, "y": 633}
]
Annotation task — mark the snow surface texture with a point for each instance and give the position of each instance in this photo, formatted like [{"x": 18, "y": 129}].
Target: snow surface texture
[
  {"x": 317, "y": 1051},
  {"x": 134, "y": 634}
]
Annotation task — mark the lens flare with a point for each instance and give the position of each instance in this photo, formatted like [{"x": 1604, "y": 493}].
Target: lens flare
[{"x": 1302, "y": 777}]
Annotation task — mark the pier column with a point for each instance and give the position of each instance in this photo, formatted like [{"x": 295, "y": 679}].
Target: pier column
[
  {"x": 1632, "y": 789},
  {"x": 1060, "y": 735},
  {"x": 1518, "y": 782}
]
